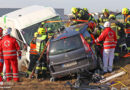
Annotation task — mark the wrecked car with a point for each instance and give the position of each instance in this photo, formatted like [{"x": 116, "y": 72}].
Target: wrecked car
[{"x": 72, "y": 52}]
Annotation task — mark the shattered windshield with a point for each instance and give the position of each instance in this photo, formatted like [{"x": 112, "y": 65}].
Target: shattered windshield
[
  {"x": 29, "y": 31},
  {"x": 65, "y": 45},
  {"x": 54, "y": 25}
]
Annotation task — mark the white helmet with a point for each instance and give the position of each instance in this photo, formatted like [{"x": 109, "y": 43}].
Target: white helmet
[
  {"x": 7, "y": 31},
  {"x": 107, "y": 24}
]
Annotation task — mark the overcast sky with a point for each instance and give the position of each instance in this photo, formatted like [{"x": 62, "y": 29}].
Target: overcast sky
[{"x": 92, "y": 5}]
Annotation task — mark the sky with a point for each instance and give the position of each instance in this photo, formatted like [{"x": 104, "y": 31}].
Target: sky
[{"x": 92, "y": 5}]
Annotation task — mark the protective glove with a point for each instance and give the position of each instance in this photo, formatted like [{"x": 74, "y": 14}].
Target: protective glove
[{"x": 19, "y": 57}]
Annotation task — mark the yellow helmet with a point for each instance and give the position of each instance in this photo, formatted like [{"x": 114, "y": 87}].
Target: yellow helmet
[
  {"x": 41, "y": 30},
  {"x": 105, "y": 11},
  {"x": 112, "y": 16},
  {"x": 74, "y": 10},
  {"x": 43, "y": 23},
  {"x": 35, "y": 34},
  {"x": 125, "y": 11},
  {"x": 85, "y": 9}
]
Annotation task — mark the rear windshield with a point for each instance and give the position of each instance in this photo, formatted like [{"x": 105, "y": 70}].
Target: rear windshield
[{"x": 65, "y": 45}]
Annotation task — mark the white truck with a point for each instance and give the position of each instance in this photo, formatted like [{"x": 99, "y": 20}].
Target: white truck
[{"x": 24, "y": 22}]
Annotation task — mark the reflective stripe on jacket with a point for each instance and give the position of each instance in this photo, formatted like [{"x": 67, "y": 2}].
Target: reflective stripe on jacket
[
  {"x": 127, "y": 30},
  {"x": 109, "y": 38}
]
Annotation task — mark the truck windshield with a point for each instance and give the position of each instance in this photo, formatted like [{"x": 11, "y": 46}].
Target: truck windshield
[
  {"x": 54, "y": 25},
  {"x": 29, "y": 31},
  {"x": 65, "y": 45}
]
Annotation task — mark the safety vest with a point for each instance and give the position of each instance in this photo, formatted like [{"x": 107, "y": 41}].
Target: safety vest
[
  {"x": 116, "y": 29},
  {"x": 40, "y": 42},
  {"x": 33, "y": 48},
  {"x": 127, "y": 19}
]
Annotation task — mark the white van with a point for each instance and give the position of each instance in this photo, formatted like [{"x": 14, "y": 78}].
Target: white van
[{"x": 24, "y": 22}]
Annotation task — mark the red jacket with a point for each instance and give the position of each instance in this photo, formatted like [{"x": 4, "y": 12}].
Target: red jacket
[
  {"x": 10, "y": 47},
  {"x": 109, "y": 38}
]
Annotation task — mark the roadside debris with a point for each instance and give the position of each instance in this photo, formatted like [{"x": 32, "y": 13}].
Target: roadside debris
[{"x": 113, "y": 76}]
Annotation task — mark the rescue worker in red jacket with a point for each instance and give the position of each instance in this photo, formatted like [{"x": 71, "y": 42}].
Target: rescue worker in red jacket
[
  {"x": 109, "y": 44},
  {"x": 1, "y": 55},
  {"x": 10, "y": 48}
]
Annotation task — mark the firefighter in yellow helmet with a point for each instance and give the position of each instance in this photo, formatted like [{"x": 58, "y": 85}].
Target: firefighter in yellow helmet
[
  {"x": 85, "y": 10},
  {"x": 126, "y": 13},
  {"x": 75, "y": 11},
  {"x": 81, "y": 14},
  {"x": 118, "y": 28},
  {"x": 105, "y": 16},
  {"x": 40, "y": 43}
]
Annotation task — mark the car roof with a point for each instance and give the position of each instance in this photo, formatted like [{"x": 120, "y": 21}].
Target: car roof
[{"x": 72, "y": 30}]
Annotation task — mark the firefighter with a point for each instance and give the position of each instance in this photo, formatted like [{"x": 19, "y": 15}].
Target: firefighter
[
  {"x": 10, "y": 48},
  {"x": 75, "y": 13},
  {"x": 85, "y": 10},
  {"x": 105, "y": 16},
  {"x": 85, "y": 15},
  {"x": 40, "y": 43},
  {"x": 33, "y": 55},
  {"x": 1, "y": 55},
  {"x": 126, "y": 13},
  {"x": 91, "y": 29},
  {"x": 118, "y": 28},
  {"x": 108, "y": 36},
  {"x": 91, "y": 18},
  {"x": 80, "y": 14}
]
